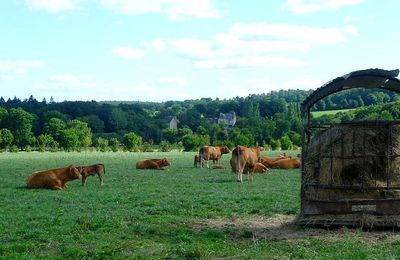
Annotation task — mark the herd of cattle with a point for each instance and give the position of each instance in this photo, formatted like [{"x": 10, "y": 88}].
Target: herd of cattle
[{"x": 245, "y": 160}]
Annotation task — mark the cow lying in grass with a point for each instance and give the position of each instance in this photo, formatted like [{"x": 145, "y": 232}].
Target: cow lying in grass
[
  {"x": 260, "y": 168},
  {"x": 268, "y": 161},
  {"x": 287, "y": 163},
  {"x": 155, "y": 164},
  {"x": 91, "y": 170},
  {"x": 54, "y": 179}
]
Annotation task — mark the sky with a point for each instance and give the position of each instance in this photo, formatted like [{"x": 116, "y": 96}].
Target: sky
[{"x": 160, "y": 50}]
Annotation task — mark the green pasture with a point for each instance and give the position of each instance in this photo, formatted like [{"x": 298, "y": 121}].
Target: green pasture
[
  {"x": 179, "y": 213},
  {"x": 317, "y": 114}
]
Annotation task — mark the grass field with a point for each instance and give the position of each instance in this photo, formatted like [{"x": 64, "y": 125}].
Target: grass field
[
  {"x": 317, "y": 114},
  {"x": 181, "y": 213}
]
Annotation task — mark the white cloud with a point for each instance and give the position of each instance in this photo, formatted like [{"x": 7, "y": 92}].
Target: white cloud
[
  {"x": 249, "y": 62},
  {"x": 68, "y": 82},
  {"x": 159, "y": 45},
  {"x": 173, "y": 9},
  {"x": 259, "y": 45},
  {"x": 128, "y": 52},
  {"x": 53, "y": 6},
  {"x": 194, "y": 47},
  {"x": 10, "y": 68},
  {"x": 173, "y": 80},
  {"x": 302, "y": 34},
  {"x": 312, "y": 6},
  {"x": 351, "y": 29}
]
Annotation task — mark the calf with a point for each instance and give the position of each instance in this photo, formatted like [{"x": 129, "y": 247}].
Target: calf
[
  {"x": 91, "y": 170},
  {"x": 155, "y": 164},
  {"x": 54, "y": 179},
  {"x": 197, "y": 161}
]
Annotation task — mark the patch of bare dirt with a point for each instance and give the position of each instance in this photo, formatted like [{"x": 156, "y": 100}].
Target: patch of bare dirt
[{"x": 282, "y": 228}]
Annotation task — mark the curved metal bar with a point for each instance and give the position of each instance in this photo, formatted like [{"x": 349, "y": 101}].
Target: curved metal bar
[{"x": 370, "y": 78}]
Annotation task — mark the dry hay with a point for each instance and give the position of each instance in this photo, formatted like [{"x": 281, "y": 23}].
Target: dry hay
[
  {"x": 353, "y": 155},
  {"x": 282, "y": 228}
]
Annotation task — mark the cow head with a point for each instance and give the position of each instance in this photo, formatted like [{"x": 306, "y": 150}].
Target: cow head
[
  {"x": 73, "y": 172},
  {"x": 165, "y": 162},
  {"x": 225, "y": 149}
]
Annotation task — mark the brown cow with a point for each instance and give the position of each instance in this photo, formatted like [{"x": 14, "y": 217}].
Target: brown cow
[
  {"x": 54, "y": 179},
  {"x": 91, "y": 170},
  {"x": 268, "y": 161},
  {"x": 288, "y": 163},
  {"x": 213, "y": 153},
  {"x": 197, "y": 161},
  {"x": 244, "y": 160},
  {"x": 155, "y": 164},
  {"x": 260, "y": 168}
]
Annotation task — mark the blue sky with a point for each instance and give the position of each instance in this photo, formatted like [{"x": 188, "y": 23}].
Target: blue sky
[{"x": 158, "y": 50}]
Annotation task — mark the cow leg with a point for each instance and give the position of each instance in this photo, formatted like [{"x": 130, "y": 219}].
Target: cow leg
[
  {"x": 58, "y": 186},
  {"x": 84, "y": 178},
  {"x": 101, "y": 178}
]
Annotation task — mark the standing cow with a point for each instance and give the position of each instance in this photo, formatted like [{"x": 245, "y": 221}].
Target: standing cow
[
  {"x": 91, "y": 170},
  {"x": 244, "y": 160},
  {"x": 213, "y": 153}
]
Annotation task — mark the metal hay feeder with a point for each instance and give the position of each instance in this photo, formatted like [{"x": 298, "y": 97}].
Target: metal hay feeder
[{"x": 351, "y": 170}]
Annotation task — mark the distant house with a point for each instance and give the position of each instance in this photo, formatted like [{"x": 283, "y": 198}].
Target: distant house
[
  {"x": 229, "y": 118},
  {"x": 171, "y": 121}
]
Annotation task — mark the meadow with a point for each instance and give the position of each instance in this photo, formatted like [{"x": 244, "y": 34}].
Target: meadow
[
  {"x": 179, "y": 213},
  {"x": 317, "y": 114}
]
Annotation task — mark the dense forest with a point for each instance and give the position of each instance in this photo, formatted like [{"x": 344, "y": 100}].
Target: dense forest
[{"x": 271, "y": 119}]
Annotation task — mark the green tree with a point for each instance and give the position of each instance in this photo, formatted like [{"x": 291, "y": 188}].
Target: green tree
[
  {"x": 6, "y": 138},
  {"x": 3, "y": 115},
  {"x": 132, "y": 141},
  {"x": 286, "y": 143},
  {"x": 170, "y": 135},
  {"x": 192, "y": 142},
  {"x": 83, "y": 131},
  {"x": 275, "y": 144},
  {"x": 54, "y": 127},
  {"x": 102, "y": 144},
  {"x": 94, "y": 123},
  {"x": 20, "y": 123},
  {"x": 165, "y": 146},
  {"x": 69, "y": 139},
  {"x": 44, "y": 141},
  {"x": 114, "y": 143}
]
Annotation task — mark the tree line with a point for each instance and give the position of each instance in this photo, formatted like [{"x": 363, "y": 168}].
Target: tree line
[{"x": 271, "y": 119}]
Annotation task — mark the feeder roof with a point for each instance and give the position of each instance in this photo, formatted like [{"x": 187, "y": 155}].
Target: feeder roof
[{"x": 370, "y": 78}]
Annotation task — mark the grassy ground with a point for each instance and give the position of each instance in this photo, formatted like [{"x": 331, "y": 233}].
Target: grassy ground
[
  {"x": 181, "y": 213},
  {"x": 317, "y": 114}
]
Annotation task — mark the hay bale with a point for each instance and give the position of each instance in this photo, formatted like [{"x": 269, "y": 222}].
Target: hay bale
[{"x": 354, "y": 155}]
